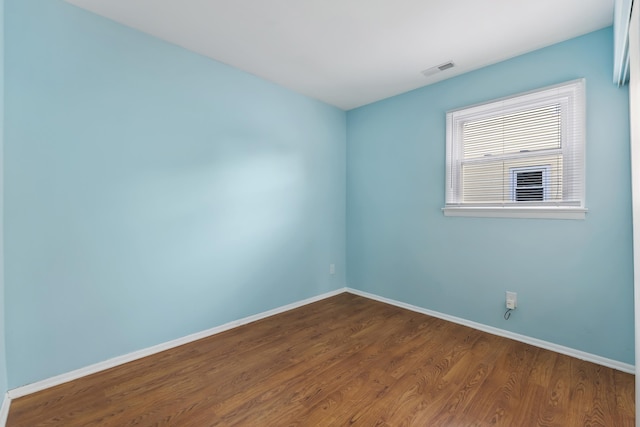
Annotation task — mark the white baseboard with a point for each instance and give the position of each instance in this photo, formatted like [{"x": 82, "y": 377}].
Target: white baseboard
[
  {"x": 589, "y": 357},
  {"x": 4, "y": 410},
  {"x": 116, "y": 361}
]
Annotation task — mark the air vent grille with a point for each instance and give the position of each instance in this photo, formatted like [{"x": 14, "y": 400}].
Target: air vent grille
[{"x": 438, "y": 68}]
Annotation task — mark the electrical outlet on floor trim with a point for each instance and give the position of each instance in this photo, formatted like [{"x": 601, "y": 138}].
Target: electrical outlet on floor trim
[{"x": 512, "y": 300}]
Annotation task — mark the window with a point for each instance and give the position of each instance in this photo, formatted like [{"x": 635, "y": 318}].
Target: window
[{"x": 521, "y": 156}]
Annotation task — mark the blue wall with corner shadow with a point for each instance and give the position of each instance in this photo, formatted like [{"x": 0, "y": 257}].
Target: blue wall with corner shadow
[
  {"x": 152, "y": 193},
  {"x": 574, "y": 278}
]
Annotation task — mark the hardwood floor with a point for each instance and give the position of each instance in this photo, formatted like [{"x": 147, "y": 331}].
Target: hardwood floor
[{"x": 342, "y": 361}]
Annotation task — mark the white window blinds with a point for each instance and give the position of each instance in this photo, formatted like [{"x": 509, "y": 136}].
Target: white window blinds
[{"x": 498, "y": 149}]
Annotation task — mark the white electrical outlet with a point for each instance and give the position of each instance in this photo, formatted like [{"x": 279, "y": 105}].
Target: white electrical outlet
[
  {"x": 512, "y": 300},
  {"x": 332, "y": 269}
]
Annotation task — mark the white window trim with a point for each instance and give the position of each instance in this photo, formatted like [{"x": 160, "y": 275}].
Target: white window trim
[
  {"x": 559, "y": 212},
  {"x": 576, "y": 91}
]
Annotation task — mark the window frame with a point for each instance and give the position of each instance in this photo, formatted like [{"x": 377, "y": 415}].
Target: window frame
[{"x": 571, "y": 98}]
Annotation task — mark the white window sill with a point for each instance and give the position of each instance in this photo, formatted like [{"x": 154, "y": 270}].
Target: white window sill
[{"x": 550, "y": 212}]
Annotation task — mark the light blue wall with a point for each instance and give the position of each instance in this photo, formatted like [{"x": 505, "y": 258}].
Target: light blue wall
[
  {"x": 3, "y": 353},
  {"x": 573, "y": 278},
  {"x": 152, "y": 193}
]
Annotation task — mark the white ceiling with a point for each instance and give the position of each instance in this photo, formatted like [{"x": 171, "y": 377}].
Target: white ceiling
[{"x": 352, "y": 52}]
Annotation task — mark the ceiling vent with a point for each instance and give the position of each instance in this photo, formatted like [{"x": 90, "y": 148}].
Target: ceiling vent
[{"x": 435, "y": 70}]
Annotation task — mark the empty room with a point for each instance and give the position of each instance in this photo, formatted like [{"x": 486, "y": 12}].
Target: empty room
[{"x": 319, "y": 212}]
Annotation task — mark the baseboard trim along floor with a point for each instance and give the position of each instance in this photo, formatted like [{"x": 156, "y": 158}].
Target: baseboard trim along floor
[
  {"x": 4, "y": 410},
  {"x": 120, "y": 360},
  {"x": 589, "y": 357},
  {"x": 101, "y": 366}
]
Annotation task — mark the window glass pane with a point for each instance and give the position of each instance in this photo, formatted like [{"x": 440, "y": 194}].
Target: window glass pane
[
  {"x": 492, "y": 181},
  {"x": 525, "y": 131}
]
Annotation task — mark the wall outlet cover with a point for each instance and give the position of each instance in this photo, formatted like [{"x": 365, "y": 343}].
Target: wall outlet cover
[{"x": 512, "y": 300}]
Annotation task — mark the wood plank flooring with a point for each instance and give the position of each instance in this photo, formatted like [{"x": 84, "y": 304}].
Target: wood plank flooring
[{"x": 342, "y": 361}]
